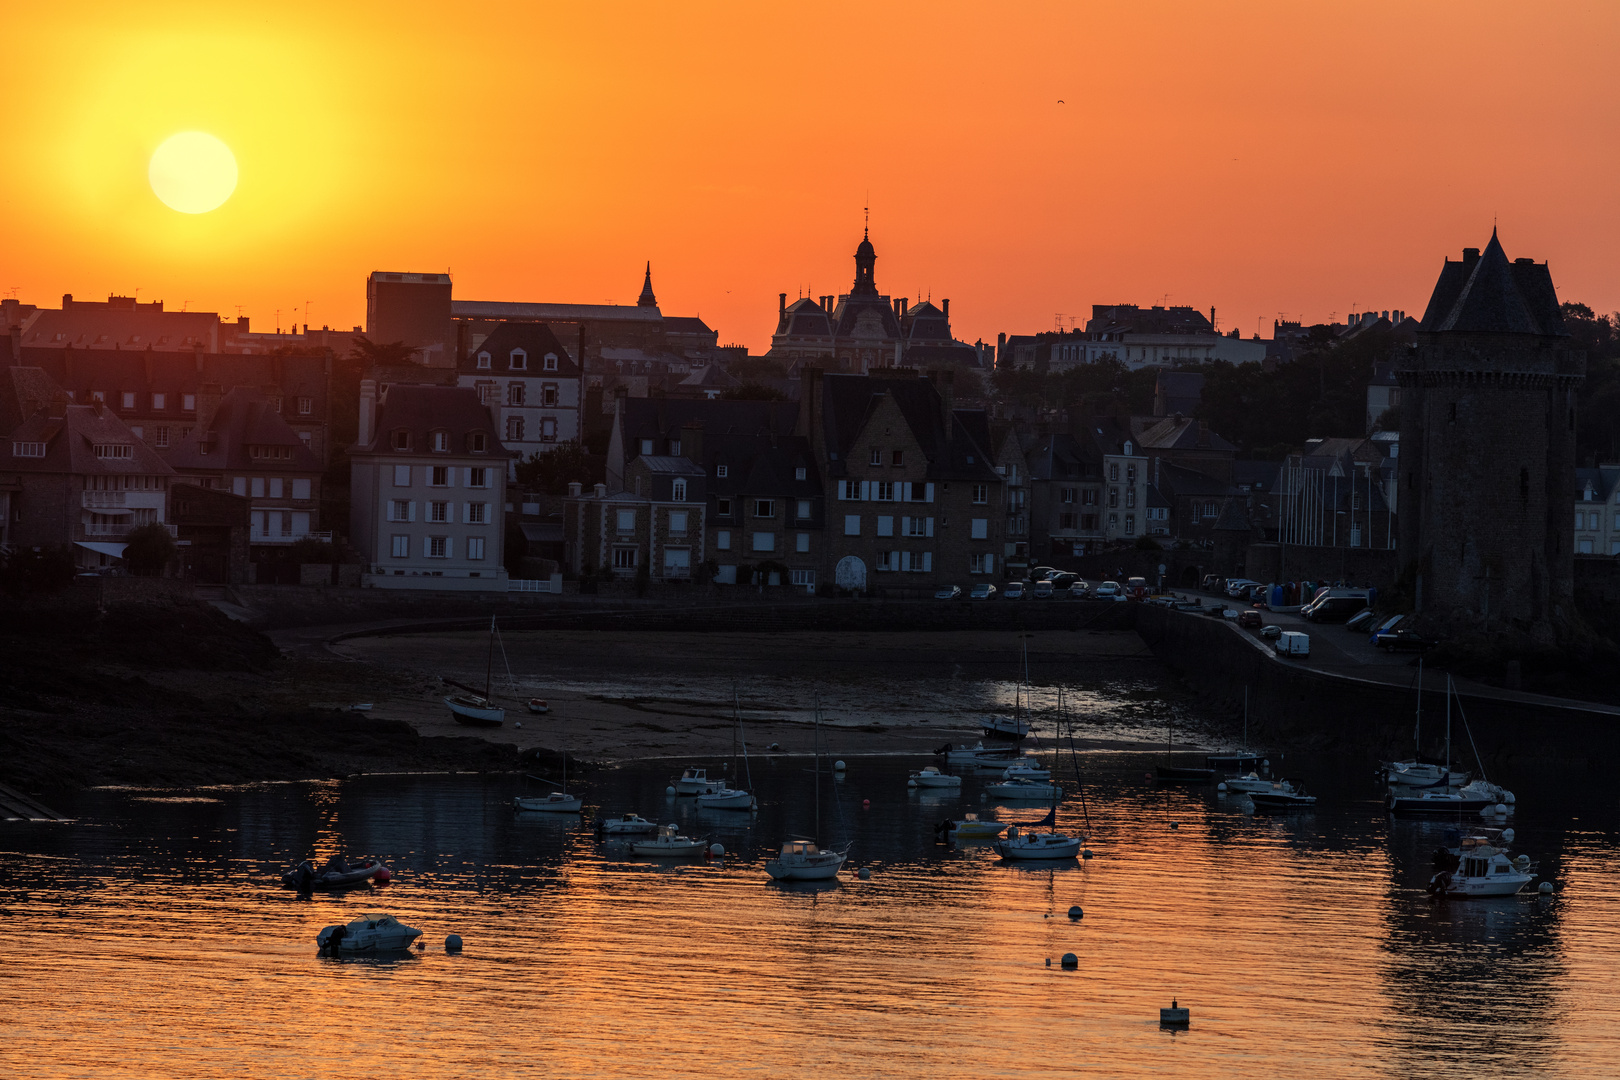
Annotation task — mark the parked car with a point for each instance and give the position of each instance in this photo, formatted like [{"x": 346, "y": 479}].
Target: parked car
[
  {"x": 1404, "y": 640},
  {"x": 1384, "y": 627},
  {"x": 1013, "y": 590},
  {"x": 1272, "y": 632},
  {"x": 1292, "y": 643},
  {"x": 1249, "y": 620},
  {"x": 949, "y": 592},
  {"x": 1236, "y": 586},
  {"x": 1336, "y": 605},
  {"x": 1136, "y": 588},
  {"x": 1041, "y": 590},
  {"x": 982, "y": 591},
  {"x": 1360, "y": 620},
  {"x": 1062, "y": 579},
  {"x": 1078, "y": 590},
  {"x": 1107, "y": 590},
  {"x": 1212, "y": 583},
  {"x": 1041, "y": 573}
]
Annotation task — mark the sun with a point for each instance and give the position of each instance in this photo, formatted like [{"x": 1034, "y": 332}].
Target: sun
[{"x": 192, "y": 172}]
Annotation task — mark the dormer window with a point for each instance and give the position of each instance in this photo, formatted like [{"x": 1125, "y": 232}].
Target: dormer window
[
  {"x": 519, "y": 360},
  {"x": 483, "y": 361},
  {"x": 440, "y": 441},
  {"x": 1128, "y": 450},
  {"x": 476, "y": 443},
  {"x": 646, "y": 446},
  {"x": 677, "y": 490},
  {"x": 798, "y": 474},
  {"x": 400, "y": 440},
  {"x": 550, "y": 362},
  {"x": 722, "y": 471}
]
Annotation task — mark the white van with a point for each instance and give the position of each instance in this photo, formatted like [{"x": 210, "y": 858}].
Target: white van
[{"x": 1292, "y": 643}]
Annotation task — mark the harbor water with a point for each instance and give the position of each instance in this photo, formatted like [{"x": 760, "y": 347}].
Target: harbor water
[{"x": 149, "y": 937}]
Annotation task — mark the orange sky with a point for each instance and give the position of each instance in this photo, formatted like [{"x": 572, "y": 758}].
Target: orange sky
[{"x": 1304, "y": 158}]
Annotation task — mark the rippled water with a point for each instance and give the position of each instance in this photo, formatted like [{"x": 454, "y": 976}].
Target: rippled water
[{"x": 149, "y": 938}]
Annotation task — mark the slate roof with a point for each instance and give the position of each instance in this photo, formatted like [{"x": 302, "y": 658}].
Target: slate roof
[
  {"x": 1603, "y": 479},
  {"x": 120, "y": 325},
  {"x": 1179, "y": 480},
  {"x": 685, "y": 324},
  {"x": 23, "y": 392},
  {"x": 670, "y": 465},
  {"x": 1486, "y": 294},
  {"x": 850, "y": 400},
  {"x": 663, "y": 418},
  {"x": 854, "y": 306},
  {"x": 70, "y": 445},
  {"x": 83, "y": 371},
  {"x": 244, "y": 418},
  {"x": 760, "y": 465},
  {"x": 425, "y": 409},
  {"x": 535, "y": 339},
  {"x": 804, "y": 318},
  {"x": 1061, "y": 456},
  {"x": 925, "y": 322},
  {"x": 1181, "y": 433},
  {"x": 501, "y": 309},
  {"x": 711, "y": 376}
]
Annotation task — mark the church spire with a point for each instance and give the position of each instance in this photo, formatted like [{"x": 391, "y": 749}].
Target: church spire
[{"x": 647, "y": 298}]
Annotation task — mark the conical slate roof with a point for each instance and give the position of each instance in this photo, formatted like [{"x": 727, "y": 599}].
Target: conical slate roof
[
  {"x": 647, "y": 299},
  {"x": 1487, "y": 294}
]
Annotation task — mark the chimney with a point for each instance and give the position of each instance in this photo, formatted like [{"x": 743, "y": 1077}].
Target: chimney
[
  {"x": 368, "y": 411},
  {"x": 600, "y": 491},
  {"x": 692, "y": 442},
  {"x": 67, "y": 300},
  {"x": 574, "y": 489},
  {"x": 781, "y": 304},
  {"x": 945, "y": 307}
]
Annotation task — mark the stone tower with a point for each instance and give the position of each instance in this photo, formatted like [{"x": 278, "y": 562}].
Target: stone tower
[{"x": 1487, "y": 454}]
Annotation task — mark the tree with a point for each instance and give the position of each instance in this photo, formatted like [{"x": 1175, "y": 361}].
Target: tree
[
  {"x": 148, "y": 550},
  {"x": 553, "y": 470},
  {"x": 372, "y": 353},
  {"x": 36, "y": 570}
]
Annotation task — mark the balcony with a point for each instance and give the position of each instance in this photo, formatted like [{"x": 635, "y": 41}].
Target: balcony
[
  {"x": 105, "y": 531},
  {"x": 96, "y": 500}
]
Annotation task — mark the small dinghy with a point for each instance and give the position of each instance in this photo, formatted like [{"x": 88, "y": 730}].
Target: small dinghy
[
  {"x": 968, "y": 827},
  {"x": 1285, "y": 796},
  {"x": 629, "y": 825},
  {"x": 669, "y": 843},
  {"x": 931, "y": 777},
  {"x": 538, "y": 705},
  {"x": 336, "y": 875},
  {"x": 368, "y": 935},
  {"x": 1023, "y": 789},
  {"x": 555, "y": 802}
]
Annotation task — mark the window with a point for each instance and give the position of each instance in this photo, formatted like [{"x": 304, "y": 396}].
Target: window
[
  {"x": 129, "y": 400},
  {"x": 98, "y": 395},
  {"x": 478, "y": 513},
  {"x": 188, "y": 402},
  {"x": 238, "y": 485},
  {"x": 764, "y": 508},
  {"x": 437, "y": 547},
  {"x": 400, "y": 440},
  {"x": 305, "y": 406},
  {"x": 885, "y": 491},
  {"x": 159, "y": 400},
  {"x": 1130, "y": 474},
  {"x": 764, "y": 541},
  {"x": 550, "y": 362},
  {"x": 877, "y": 456},
  {"x": 483, "y": 360},
  {"x": 1211, "y": 509},
  {"x": 303, "y": 437},
  {"x": 802, "y": 510},
  {"x": 981, "y": 529},
  {"x": 722, "y": 507},
  {"x": 1584, "y": 547},
  {"x": 982, "y": 564},
  {"x": 1113, "y": 497},
  {"x": 401, "y": 547},
  {"x": 898, "y": 457},
  {"x": 475, "y": 549},
  {"x": 627, "y": 521},
  {"x": 1130, "y": 524},
  {"x": 438, "y": 511},
  {"x": 677, "y": 522},
  {"x": 514, "y": 429},
  {"x": 674, "y": 448},
  {"x": 440, "y": 441},
  {"x": 804, "y": 579},
  {"x": 257, "y": 485},
  {"x": 402, "y": 476},
  {"x": 518, "y": 360},
  {"x": 1066, "y": 495},
  {"x": 300, "y": 490},
  {"x": 646, "y": 446},
  {"x": 887, "y": 560},
  {"x": 677, "y": 490},
  {"x": 1113, "y": 470},
  {"x": 1088, "y": 522},
  {"x": 1066, "y": 521},
  {"x": 276, "y": 487},
  {"x": 801, "y": 543},
  {"x": 514, "y": 393},
  {"x": 722, "y": 471},
  {"x": 624, "y": 558},
  {"x": 885, "y": 525},
  {"x": 162, "y": 438},
  {"x": 478, "y": 478},
  {"x": 981, "y": 493},
  {"x": 722, "y": 540},
  {"x": 438, "y": 476},
  {"x": 917, "y": 526},
  {"x": 28, "y": 449},
  {"x": 852, "y": 524},
  {"x": 849, "y": 490},
  {"x": 1088, "y": 497},
  {"x": 1113, "y": 522},
  {"x": 799, "y": 473},
  {"x": 476, "y": 442},
  {"x": 114, "y": 450},
  {"x": 1130, "y": 497},
  {"x": 548, "y": 394}
]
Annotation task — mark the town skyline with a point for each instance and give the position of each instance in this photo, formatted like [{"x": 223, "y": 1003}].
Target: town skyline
[{"x": 1276, "y": 164}]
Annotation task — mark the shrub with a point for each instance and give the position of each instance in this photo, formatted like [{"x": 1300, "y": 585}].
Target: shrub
[{"x": 149, "y": 550}]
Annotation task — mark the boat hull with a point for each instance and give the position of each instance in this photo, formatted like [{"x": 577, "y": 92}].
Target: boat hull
[
  {"x": 938, "y": 781},
  {"x": 619, "y": 827},
  {"x": 474, "y": 715},
  {"x": 1435, "y": 804},
  {"x": 1184, "y": 775},
  {"x": 1269, "y": 802},
  {"x": 797, "y": 871},
  {"x": 1031, "y": 791},
  {"x": 653, "y": 849},
  {"x": 1243, "y": 784},
  {"x": 570, "y": 804},
  {"x": 726, "y": 800},
  {"x": 1005, "y": 730},
  {"x": 1016, "y": 850}
]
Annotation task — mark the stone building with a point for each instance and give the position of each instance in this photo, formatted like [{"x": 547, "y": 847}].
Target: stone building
[
  {"x": 1488, "y": 453},
  {"x": 523, "y": 373}
]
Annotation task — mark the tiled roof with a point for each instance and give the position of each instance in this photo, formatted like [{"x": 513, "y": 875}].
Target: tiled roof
[
  {"x": 71, "y": 441},
  {"x": 243, "y": 419},
  {"x": 1489, "y": 295},
  {"x": 422, "y": 410}
]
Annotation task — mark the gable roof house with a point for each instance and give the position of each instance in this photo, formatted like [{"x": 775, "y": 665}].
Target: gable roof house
[{"x": 530, "y": 382}]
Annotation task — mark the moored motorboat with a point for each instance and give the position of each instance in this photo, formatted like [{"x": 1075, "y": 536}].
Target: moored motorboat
[
  {"x": 367, "y": 935},
  {"x": 669, "y": 843},
  {"x": 1480, "y": 867},
  {"x": 1027, "y": 769},
  {"x": 628, "y": 825},
  {"x": 1252, "y": 782},
  {"x": 1007, "y": 728},
  {"x": 1437, "y": 801},
  {"x": 1019, "y": 845},
  {"x": 930, "y": 777},
  {"x": 969, "y": 827},
  {"x": 726, "y": 798},
  {"x": 695, "y": 781},
  {"x": 1285, "y": 796},
  {"x": 335, "y": 875},
  {"x": 1023, "y": 789},
  {"x": 802, "y": 860},
  {"x": 964, "y": 755},
  {"x": 555, "y": 802},
  {"x": 1232, "y": 763}
]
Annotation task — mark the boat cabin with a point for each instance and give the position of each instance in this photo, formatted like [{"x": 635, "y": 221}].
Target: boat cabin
[{"x": 800, "y": 847}]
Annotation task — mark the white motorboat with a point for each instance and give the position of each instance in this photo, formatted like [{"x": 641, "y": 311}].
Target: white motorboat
[
  {"x": 1027, "y": 769},
  {"x": 931, "y": 777},
  {"x": 695, "y": 782},
  {"x": 628, "y": 825},
  {"x": 969, "y": 827},
  {"x": 1499, "y": 796},
  {"x": 802, "y": 860},
  {"x": 1419, "y": 774},
  {"x": 726, "y": 798},
  {"x": 669, "y": 843},
  {"x": 367, "y": 935},
  {"x": 472, "y": 708},
  {"x": 965, "y": 755},
  {"x": 1004, "y": 727},
  {"x": 1284, "y": 796},
  {"x": 1023, "y": 789},
  {"x": 1437, "y": 801},
  {"x": 1252, "y": 782},
  {"x": 1018, "y": 845},
  {"x": 555, "y": 802},
  {"x": 1480, "y": 867}
]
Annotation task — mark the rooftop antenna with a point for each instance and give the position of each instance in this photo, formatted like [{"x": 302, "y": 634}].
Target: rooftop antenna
[
  {"x": 306, "y": 314},
  {"x": 238, "y": 312},
  {"x": 183, "y": 304},
  {"x": 14, "y": 290}
]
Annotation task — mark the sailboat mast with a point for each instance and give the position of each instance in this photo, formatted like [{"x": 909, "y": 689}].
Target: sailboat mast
[
  {"x": 1417, "y": 732},
  {"x": 489, "y": 664},
  {"x": 817, "y": 800}
]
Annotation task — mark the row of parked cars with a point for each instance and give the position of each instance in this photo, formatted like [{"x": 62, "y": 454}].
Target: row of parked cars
[{"x": 1047, "y": 583}]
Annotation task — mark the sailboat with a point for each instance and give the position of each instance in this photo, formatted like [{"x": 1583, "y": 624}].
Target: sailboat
[
  {"x": 726, "y": 797},
  {"x": 1023, "y": 844},
  {"x": 1245, "y": 758},
  {"x": 556, "y": 802},
  {"x": 1442, "y": 800},
  {"x": 472, "y": 708},
  {"x": 1178, "y": 772},
  {"x": 802, "y": 860},
  {"x": 1013, "y": 728},
  {"x": 1419, "y": 771}
]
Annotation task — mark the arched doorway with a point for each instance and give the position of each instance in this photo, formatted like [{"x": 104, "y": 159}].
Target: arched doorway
[{"x": 850, "y": 573}]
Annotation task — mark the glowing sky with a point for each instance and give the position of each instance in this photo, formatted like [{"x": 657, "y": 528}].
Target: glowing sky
[{"x": 1309, "y": 159}]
